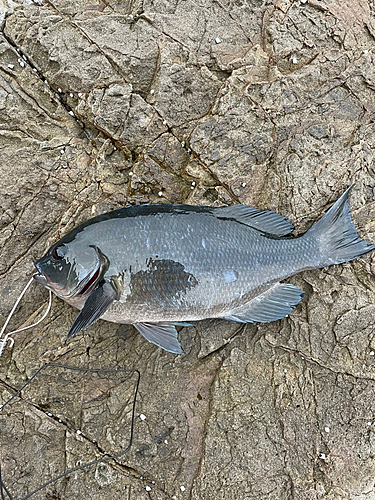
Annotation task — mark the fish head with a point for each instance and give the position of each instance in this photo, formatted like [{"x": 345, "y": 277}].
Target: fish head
[{"x": 71, "y": 271}]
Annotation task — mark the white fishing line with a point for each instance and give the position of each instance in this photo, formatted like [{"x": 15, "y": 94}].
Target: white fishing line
[{"x": 4, "y": 340}]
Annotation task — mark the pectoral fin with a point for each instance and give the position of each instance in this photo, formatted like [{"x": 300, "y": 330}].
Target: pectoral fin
[
  {"x": 276, "y": 303},
  {"x": 95, "y": 306},
  {"x": 163, "y": 335}
]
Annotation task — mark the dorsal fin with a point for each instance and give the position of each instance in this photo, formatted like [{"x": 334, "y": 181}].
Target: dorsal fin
[{"x": 267, "y": 221}]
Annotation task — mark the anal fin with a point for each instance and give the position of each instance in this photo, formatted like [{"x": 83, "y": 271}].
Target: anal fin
[
  {"x": 276, "y": 303},
  {"x": 163, "y": 335}
]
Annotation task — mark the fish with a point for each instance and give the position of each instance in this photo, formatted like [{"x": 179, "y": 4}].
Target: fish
[{"x": 159, "y": 266}]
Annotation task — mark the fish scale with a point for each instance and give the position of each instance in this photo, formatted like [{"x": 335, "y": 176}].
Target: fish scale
[{"x": 158, "y": 265}]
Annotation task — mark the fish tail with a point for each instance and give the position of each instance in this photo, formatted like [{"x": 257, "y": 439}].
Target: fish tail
[{"x": 337, "y": 236}]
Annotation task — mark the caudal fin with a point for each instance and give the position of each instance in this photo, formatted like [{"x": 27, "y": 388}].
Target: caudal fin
[{"x": 337, "y": 236}]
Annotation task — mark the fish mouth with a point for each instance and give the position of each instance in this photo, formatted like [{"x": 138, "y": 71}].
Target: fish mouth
[
  {"x": 85, "y": 287},
  {"x": 41, "y": 278}
]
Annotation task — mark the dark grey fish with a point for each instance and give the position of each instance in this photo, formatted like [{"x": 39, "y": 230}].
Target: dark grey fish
[{"x": 158, "y": 266}]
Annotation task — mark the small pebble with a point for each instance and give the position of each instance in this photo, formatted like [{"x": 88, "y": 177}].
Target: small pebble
[
  {"x": 327, "y": 429},
  {"x": 372, "y": 353},
  {"x": 79, "y": 94},
  {"x": 152, "y": 91},
  {"x": 78, "y": 432},
  {"x": 148, "y": 488},
  {"x": 243, "y": 184},
  {"x": 303, "y": 1},
  {"x": 365, "y": 51},
  {"x": 285, "y": 370},
  {"x": 71, "y": 95},
  {"x": 217, "y": 40},
  {"x": 165, "y": 441},
  {"x": 71, "y": 113},
  {"x": 164, "y": 122},
  {"x": 183, "y": 144},
  {"x": 193, "y": 183},
  {"x": 22, "y": 64},
  {"x": 130, "y": 174},
  {"x": 48, "y": 413},
  {"x": 368, "y": 423},
  {"x": 62, "y": 151},
  {"x": 10, "y": 66},
  {"x": 182, "y": 488},
  {"x": 160, "y": 193},
  {"x": 294, "y": 60},
  {"x": 322, "y": 456},
  {"x": 59, "y": 90},
  {"x": 142, "y": 417}
]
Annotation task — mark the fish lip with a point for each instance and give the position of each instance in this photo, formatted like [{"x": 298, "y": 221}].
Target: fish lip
[{"x": 39, "y": 277}]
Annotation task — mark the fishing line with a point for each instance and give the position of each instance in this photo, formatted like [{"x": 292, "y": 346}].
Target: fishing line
[
  {"x": 4, "y": 340},
  {"x": 93, "y": 462}
]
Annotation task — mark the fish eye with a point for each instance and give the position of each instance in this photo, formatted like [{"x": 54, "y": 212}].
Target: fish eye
[{"x": 59, "y": 253}]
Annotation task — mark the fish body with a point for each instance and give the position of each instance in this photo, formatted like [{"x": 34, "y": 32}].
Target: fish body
[{"x": 156, "y": 266}]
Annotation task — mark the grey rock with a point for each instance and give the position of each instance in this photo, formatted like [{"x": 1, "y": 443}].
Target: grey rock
[{"x": 105, "y": 104}]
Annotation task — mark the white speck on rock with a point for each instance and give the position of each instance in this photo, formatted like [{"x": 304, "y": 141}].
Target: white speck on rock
[
  {"x": 183, "y": 144},
  {"x": 322, "y": 456},
  {"x": 165, "y": 441},
  {"x": 10, "y": 66},
  {"x": 372, "y": 353},
  {"x": 48, "y": 413},
  {"x": 152, "y": 91},
  {"x": 243, "y": 184},
  {"x": 142, "y": 417},
  {"x": 327, "y": 429},
  {"x": 193, "y": 183},
  {"x": 217, "y": 40},
  {"x": 365, "y": 51},
  {"x": 59, "y": 90},
  {"x": 78, "y": 432},
  {"x": 79, "y": 94},
  {"x": 182, "y": 488},
  {"x": 285, "y": 370},
  {"x": 21, "y": 63},
  {"x": 71, "y": 113},
  {"x": 130, "y": 174},
  {"x": 294, "y": 60},
  {"x": 160, "y": 193},
  {"x": 148, "y": 488},
  {"x": 71, "y": 95},
  {"x": 164, "y": 122},
  {"x": 303, "y": 1}
]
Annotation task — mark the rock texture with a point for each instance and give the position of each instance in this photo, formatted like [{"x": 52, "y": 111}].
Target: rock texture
[{"x": 105, "y": 103}]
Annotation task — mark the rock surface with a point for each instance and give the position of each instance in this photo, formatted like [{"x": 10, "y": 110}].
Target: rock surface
[{"x": 116, "y": 102}]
